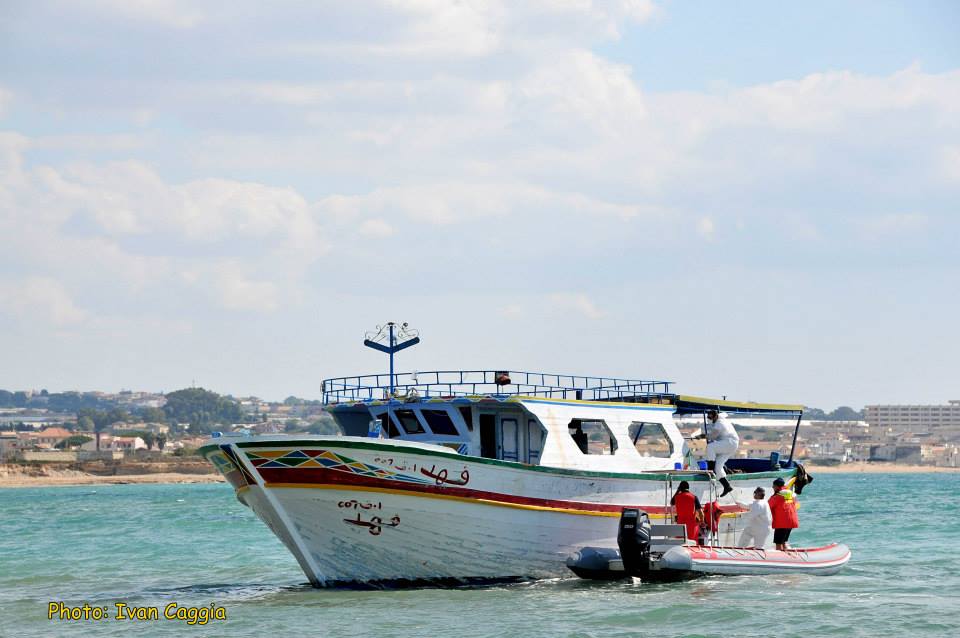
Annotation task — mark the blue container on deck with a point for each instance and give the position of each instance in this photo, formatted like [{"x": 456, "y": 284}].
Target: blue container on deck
[
  {"x": 702, "y": 465},
  {"x": 774, "y": 460}
]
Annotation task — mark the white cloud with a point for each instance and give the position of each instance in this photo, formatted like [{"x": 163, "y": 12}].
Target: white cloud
[
  {"x": 438, "y": 28},
  {"x": 705, "y": 227},
  {"x": 444, "y": 148},
  {"x": 512, "y": 311},
  {"x": 213, "y": 208},
  {"x": 892, "y": 225},
  {"x": 550, "y": 307},
  {"x": 820, "y": 102},
  {"x": 41, "y": 299},
  {"x": 425, "y": 29},
  {"x": 376, "y": 228},
  {"x": 114, "y": 143},
  {"x": 800, "y": 228},
  {"x": 6, "y": 98},
  {"x": 12, "y": 146},
  {"x": 176, "y": 14},
  {"x": 566, "y": 142},
  {"x": 130, "y": 197},
  {"x": 493, "y": 137},
  {"x": 239, "y": 292},
  {"x": 454, "y": 202},
  {"x": 120, "y": 226},
  {"x": 582, "y": 93},
  {"x": 950, "y": 164},
  {"x": 576, "y": 302}
]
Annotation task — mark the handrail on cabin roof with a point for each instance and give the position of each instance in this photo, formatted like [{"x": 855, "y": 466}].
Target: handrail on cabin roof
[{"x": 458, "y": 383}]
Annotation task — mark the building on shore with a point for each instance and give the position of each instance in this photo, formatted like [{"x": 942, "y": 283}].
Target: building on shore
[
  {"x": 45, "y": 438},
  {"x": 10, "y": 445},
  {"x": 906, "y": 454},
  {"x": 913, "y": 417},
  {"x": 115, "y": 443},
  {"x": 157, "y": 428}
]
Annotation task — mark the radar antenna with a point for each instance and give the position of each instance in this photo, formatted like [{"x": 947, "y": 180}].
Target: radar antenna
[{"x": 392, "y": 337}]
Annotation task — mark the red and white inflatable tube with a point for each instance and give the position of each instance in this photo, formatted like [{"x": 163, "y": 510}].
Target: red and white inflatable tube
[{"x": 828, "y": 559}]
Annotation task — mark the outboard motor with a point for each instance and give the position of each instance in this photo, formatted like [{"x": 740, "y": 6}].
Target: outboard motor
[{"x": 633, "y": 538}]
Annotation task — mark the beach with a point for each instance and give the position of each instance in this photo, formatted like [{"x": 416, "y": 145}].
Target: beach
[{"x": 12, "y": 475}]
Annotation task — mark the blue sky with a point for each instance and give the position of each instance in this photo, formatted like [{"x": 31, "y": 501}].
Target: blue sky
[
  {"x": 752, "y": 199},
  {"x": 710, "y": 45}
]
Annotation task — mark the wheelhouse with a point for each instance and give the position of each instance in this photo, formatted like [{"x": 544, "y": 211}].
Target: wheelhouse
[{"x": 534, "y": 418}]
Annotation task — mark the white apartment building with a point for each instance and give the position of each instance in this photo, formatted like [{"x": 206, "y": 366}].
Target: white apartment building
[{"x": 913, "y": 417}]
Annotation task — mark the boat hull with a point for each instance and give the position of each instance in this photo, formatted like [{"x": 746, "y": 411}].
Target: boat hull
[
  {"x": 354, "y": 536},
  {"x": 355, "y": 511}
]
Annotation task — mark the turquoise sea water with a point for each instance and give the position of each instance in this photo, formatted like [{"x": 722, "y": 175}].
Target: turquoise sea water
[{"x": 148, "y": 545}]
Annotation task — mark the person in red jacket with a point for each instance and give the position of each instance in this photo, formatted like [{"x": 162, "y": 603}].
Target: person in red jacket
[
  {"x": 687, "y": 510},
  {"x": 783, "y": 506},
  {"x": 709, "y": 529}
]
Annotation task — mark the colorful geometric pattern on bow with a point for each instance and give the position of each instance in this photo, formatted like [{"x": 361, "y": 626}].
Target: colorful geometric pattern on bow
[
  {"x": 221, "y": 462},
  {"x": 325, "y": 459}
]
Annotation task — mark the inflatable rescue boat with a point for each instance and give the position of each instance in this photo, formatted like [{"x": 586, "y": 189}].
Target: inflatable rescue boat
[{"x": 661, "y": 553}]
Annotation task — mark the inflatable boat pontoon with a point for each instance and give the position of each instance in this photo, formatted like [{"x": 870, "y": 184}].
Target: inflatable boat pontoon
[{"x": 660, "y": 553}]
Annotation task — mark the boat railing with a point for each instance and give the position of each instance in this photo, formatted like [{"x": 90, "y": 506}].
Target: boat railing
[{"x": 493, "y": 383}]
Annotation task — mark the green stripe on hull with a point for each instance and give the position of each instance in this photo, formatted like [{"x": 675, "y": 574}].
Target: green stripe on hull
[{"x": 386, "y": 447}]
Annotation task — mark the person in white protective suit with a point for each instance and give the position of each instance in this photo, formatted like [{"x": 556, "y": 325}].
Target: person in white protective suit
[
  {"x": 722, "y": 443},
  {"x": 757, "y": 521}
]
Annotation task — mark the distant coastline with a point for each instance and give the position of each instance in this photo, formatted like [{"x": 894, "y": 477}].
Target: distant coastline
[
  {"x": 21, "y": 476},
  {"x": 26, "y": 476},
  {"x": 879, "y": 468}
]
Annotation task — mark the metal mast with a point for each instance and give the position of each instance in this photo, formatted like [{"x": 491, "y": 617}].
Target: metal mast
[{"x": 392, "y": 333}]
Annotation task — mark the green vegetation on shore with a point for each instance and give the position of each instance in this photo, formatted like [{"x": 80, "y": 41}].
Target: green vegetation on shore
[
  {"x": 843, "y": 413},
  {"x": 202, "y": 409},
  {"x": 196, "y": 409}
]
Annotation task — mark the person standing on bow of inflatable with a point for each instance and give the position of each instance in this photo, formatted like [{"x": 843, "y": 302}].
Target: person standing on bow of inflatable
[
  {"x": 687, "y": 510},
  {"x": 722, "y": 443},
  {"x": 783, "y": 507}
]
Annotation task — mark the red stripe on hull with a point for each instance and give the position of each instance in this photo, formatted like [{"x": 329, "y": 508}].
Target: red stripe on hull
[{"x": 324, "y": 476}]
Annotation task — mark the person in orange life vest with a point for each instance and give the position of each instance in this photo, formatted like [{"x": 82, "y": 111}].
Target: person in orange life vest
[
  {"x": 710, "y": 527},
  {"x": 687, "y": 510},
  {"x": 783, "y": 507}
]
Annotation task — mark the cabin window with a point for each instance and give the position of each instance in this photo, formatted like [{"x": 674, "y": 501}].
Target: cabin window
[
  {"x": 535, "y": 436},
  {"x": 387, "y": 426},
  {"x": 509, "y": 439},
  {"x": 592, "y": 437},
  {"x": 467, "y": 415},
  {"x": 488, "y": 436},
  {"x": 408, "y": 420},
  {"x": 650, "y": 439},
  {"x": 440, "y": 422}
]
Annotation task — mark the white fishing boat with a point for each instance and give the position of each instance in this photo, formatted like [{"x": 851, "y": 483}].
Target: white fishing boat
[{"x": 475, "y": 476}]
